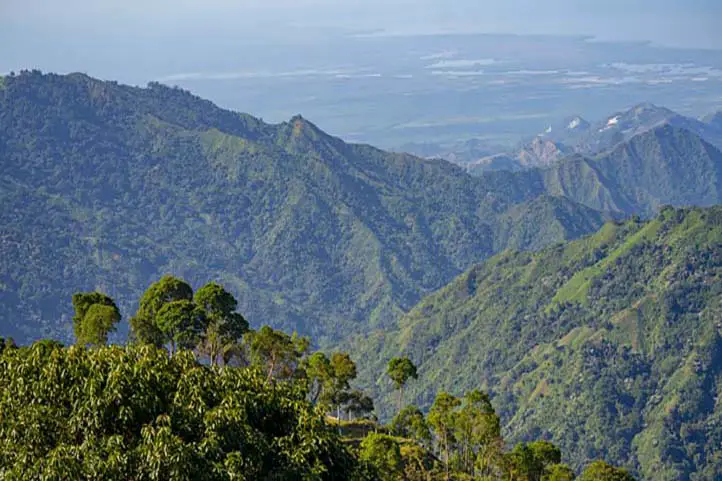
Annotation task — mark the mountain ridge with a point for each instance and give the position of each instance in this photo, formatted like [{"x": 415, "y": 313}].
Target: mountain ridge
[
  {"x": 109, "y": 186},
  {"x": 608, "y": 345}
]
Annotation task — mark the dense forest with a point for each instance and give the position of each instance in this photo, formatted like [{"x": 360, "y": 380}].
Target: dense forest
[
  {"x": 197, "y": 395},
  {"x": 605, "y": 345}
]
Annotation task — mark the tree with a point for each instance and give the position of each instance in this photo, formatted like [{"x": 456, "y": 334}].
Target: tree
[
  {"x": 226, "y": 327},
  {"x": 358, "y": 404},
  {"x": 533, "y": 461},
  {"x": 546, "y": 455},
  {"x": 523, "y": 466},
  {"x": 343, "y": 371},
  {"x": 411, "y": 423},
  {"x": 144, "y": 325},
  {"x": 7, "y": 343},
  {"x": 476, "y": 426},
  {"x": 441, "y": 418},
  {"x": 181, "y": 323},
  {"x": 318, "y": 374},
  {"x": 601, "y": 471},
  {"x": 96, "y": 315},
  {"x": 277, "y": 352},
  {"x": 559, "y": 472},
  {"x": 383, "y": 452},
  {"x": 135, "y": 413},
  {"x": 400, "y": 370}
]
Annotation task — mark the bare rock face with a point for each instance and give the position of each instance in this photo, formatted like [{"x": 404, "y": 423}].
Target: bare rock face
[{"x": 541, "y": 152}]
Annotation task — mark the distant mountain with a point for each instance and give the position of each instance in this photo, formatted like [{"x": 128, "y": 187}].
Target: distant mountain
[
  {"x": 622, "y": 126},
  {"x": 539, "y": 152},
  {"x": 608, "y": 346},
  {"x": 492, "y": 163},
  {"x": 462, "y": 153},
  {"x": 106, "y": 186},
  {"x": 664, "y": 165},
  {"x": 567, "y": 130},
  {"x": 714, "y": 120}
]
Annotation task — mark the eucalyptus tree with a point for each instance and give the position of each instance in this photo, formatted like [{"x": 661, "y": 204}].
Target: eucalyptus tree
[{"x": 400, "y": 370}]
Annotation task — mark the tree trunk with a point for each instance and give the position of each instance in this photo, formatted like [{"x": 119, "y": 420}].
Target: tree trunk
[
  {"x": 446, "y": 450},
  {"x": 338, "y": 417},
  {"x": 401, "y": 395},
  {"x": 270, "y": 371}
]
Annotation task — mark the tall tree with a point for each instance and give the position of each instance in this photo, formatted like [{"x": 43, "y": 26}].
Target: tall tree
[
  {"x": 410, "y": 423},
  {"x": 400, "y": 370},
  {"x": 276, "y": 351},
  {"x": 182, "y": 324},
  {"x": 477, "y": 426},
  {"x": 343, "y": 371},
  {"x": 358, "y": 404},
  {"x": 442, "y": 419},
  {"x": 318, "y": 374},
  {"x": 226, "y": 327},
  {"x": 144, "y": 324},
  {"x": 96, "y": 315}
]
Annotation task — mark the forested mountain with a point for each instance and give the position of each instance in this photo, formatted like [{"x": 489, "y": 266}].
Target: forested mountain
[
  {"x": 109, "y": 186},
  {"x": 608, "y": 345},
  {"x": 665, "y": 165}
]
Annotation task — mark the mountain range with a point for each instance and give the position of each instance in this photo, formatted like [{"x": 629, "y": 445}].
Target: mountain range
[
  {"x": 575, "y": 135},
  {"x": 107, "y": 186}
]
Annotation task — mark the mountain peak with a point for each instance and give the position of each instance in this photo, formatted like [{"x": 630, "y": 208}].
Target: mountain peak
[{"x": 577, "y": 123}]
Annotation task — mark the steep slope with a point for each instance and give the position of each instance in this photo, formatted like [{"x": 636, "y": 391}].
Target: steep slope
[
  {"x": 665, "y": 165},
  {"x": 108, "y": 186},
  {"x": 609, "y": 345},
  {"x": 536, "y": 153},
  {"x": 714, "y": 120}
]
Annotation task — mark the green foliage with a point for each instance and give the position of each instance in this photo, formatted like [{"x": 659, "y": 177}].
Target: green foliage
[
  {"x": 146, "y": 324},
  {"x": 411, "y": 423},
  {"x": 663, "y": 165},
  {"x": 384, "y": 453},
  {"x": 441, "y": 418},
  {"x": 559, "y": 472},
  {"x": 601, "y": 471},
  {"x": 276, "y": 352},
  {"x": 226, "y": 327},
  {"x": 135, "y": 413},
  {"x": 182, "y": 323},
  {"x": 537, "y": 461},
  {"x": 400, "y": 370},
  {"x": 628, "y": 372},
  {"x": 357, "y": 403},
  {"x": 96, "y": 315}
]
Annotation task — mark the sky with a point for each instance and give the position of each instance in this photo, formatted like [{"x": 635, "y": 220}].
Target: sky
[{"x": 129, "y": 34}]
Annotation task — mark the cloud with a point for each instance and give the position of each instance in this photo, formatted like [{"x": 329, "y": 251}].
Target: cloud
[{"x": 462, "y": 63}]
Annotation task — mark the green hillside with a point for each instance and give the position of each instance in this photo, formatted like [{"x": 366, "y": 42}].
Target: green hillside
[
  {"x": 609, "y": 346},
  {"x": 108, "y": 186},
  {"x": 663, "y": 166}
]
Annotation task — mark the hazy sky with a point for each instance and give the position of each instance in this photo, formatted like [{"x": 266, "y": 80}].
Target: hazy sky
[{"x": 46, "y": 33}]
